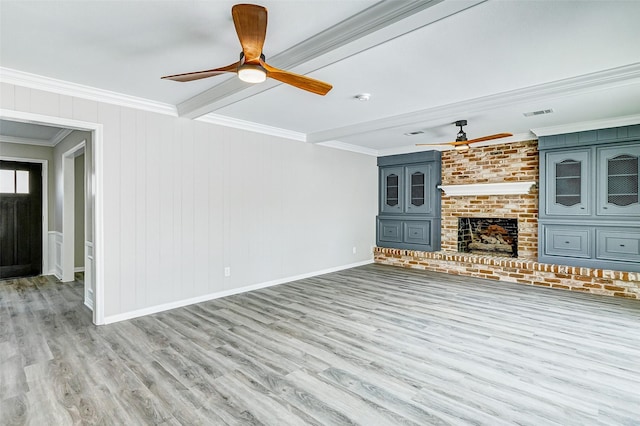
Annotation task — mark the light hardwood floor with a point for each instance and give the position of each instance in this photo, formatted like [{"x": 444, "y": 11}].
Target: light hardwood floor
[{"x": 375, "y": 345}]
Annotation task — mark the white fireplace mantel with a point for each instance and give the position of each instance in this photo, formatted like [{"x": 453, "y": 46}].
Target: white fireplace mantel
[{"x": 501, "y": 188}]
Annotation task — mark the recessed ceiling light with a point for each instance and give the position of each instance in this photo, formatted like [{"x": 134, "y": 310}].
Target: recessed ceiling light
[
  {"x": 363, "y": 96},
  {"x": 539, "y": 112}
]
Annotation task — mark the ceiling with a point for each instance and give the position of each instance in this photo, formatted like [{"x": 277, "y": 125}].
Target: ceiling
[
  {"x": 31, "y": 134},
  {"x": 426, "y": 64}
]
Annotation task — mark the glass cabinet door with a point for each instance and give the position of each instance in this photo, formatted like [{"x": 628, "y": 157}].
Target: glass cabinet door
[
  {"x": 418, "y": 184},
  {"x": 567, "y": 178},
  {"x": 618, "y": 180},
  {"x": 391, "y": 190}
]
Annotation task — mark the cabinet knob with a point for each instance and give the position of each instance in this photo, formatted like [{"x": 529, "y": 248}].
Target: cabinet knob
[
  {"x": 581, "y": 208},
  {"x": 566, "y": 242},
  {"x": 605, "y": 208},
  {"x": 621, "y": 245}
]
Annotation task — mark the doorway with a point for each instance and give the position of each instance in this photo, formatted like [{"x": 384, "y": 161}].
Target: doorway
[
  {"x": 20, "y": 219},
  {"x": 94, "y": 200}
]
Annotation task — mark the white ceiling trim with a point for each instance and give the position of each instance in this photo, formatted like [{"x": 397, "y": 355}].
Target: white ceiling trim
[
  {"x": 25, "y": 141},
  {"x": 627, "y": 120},
  {"x": 59, "y": 137},
  {"x": 33, "y": 81},
  {"x": 350, "y": 147},
  {"x": 331, "y": 45},
  {"x": 252, "y": 127},
  {"x": 629, "y": 74},
  {"x": 55, "y": 140}
]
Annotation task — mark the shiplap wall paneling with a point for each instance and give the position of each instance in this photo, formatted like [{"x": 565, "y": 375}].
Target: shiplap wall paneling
[
  {"x": 183, "y": 199},
  {"x": 109, "y": 116}
]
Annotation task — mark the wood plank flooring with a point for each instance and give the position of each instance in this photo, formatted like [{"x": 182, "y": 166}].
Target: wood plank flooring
[{"x": 374, "y": 345}]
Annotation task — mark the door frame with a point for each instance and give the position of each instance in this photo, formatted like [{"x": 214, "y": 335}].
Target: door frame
[
  {"x": 45, "y": 204},
  {"x": 68, "y": 211},
  {"x": 97, "y": 188}
]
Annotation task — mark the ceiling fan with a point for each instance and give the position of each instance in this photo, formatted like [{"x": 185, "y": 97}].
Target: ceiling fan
[
  {"x": 251, "y": 26},
  {"x": 462, "y": 143}
]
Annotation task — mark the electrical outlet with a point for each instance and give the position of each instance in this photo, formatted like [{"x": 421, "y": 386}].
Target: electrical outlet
[{"x": 227, "y": 271}]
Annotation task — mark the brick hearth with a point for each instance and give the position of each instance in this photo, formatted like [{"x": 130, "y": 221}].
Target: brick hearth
[{"x": 596, "y": 281}]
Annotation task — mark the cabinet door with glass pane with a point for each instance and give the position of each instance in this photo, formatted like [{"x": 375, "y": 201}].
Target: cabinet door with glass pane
[
  {"x": 418, "y": 187},
  {"x": 618, "y": 180},
  {"x": 391, "y": 190},
  {"x": 567, "y": 177}
]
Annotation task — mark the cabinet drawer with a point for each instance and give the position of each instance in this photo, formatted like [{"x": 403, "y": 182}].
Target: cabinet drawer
[
  {"x": 618, "y": 245},
  {"x": 567, "y": 241},
  {"x": 417, "y": 232},
  {"x": 390, "y": 231}
]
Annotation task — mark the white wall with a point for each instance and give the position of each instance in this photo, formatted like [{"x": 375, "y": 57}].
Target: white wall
[{"x": 183, "y": 199}]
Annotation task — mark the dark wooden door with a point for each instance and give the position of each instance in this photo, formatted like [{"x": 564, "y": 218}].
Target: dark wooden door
[{"x": 20, "y": 219}]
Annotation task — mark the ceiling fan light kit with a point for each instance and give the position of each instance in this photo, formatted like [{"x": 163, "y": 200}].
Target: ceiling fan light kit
[
  {"x": 250, "y": 21},
  {"x": 252, "y": 73}
]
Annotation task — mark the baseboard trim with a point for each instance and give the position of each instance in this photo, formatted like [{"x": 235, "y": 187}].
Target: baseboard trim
[
  {"x": 78, "y": 269},
  {"x": 211, "y": 296},
  {"x": 89, "y": 304}
]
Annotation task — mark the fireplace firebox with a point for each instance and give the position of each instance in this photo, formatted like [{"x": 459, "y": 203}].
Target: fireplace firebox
[{"x": 488, "y": 236}]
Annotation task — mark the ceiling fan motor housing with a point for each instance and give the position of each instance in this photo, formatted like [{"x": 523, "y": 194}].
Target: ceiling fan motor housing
[{"x": 461, "y": 136}]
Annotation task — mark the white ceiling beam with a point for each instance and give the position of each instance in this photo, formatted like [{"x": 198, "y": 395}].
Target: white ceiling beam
[
  {"x": 360, "y": 32},
  {"x": 628, "y": 74}
]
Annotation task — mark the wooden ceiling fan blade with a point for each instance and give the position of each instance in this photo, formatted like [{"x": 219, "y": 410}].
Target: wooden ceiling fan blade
[
  {"x": 251, "y": 25},
  {"x": 490, "y": 137},
  {"x": 190, "y": 76},
  {"x": 454, "y": 143},
  {"x": 300, "y": 81}
]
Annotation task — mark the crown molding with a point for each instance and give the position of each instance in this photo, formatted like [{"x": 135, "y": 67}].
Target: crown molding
[
  {"x": 250, "y": 126},
  {"x": 56, "y": 139},
  {"x": 59, "y": 137},
  {"x": 629, "y": 74},
  {"x": 350, "y": 147},
  {"x": 25, "y": 141},
  {"x": 33, "y": 81},
  {"x": 582, "y": 126}
]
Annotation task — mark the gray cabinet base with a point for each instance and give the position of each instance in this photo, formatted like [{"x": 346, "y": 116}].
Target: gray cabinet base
[
  {"x": 596, "y": 246},
  {"x": 410, "y": 234}
]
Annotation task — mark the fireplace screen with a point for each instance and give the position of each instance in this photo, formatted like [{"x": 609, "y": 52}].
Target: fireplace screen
[{"x": 488, "y": 236}]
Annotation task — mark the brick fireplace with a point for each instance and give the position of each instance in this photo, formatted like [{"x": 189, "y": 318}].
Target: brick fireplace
[
  {"x": 516, "y": 162},
  {"x": 485, "y": 167}
]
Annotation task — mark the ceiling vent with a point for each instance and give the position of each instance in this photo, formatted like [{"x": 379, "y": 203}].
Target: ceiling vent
[
  {"x": 540, "y": 112},
  {"x": 417, "y": 132}
]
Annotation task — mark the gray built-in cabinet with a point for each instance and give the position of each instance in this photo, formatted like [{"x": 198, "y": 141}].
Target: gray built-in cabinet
[
  {"x": 589, "y": 201},
  {"x": 409, "y": 202}
]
